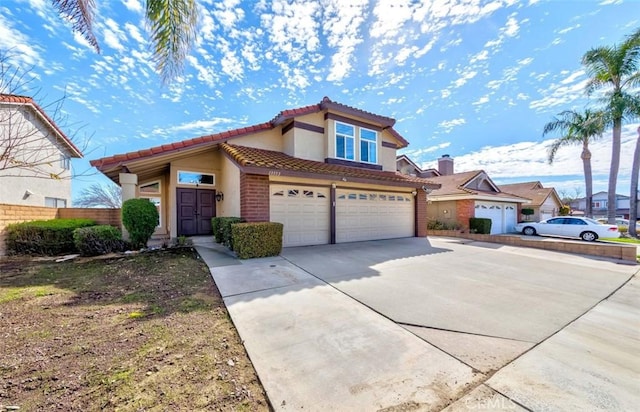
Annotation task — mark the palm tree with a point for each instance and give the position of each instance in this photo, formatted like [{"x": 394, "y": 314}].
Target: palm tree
[
  {"x": 172, "y": 25},
  {"x": 616, "y": 69},
  {"x": 577, "y": 128},
  {"x": 633, "y": 195}
]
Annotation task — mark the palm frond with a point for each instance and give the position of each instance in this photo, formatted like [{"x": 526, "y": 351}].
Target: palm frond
[
  {"x": 80, "y": 13},
  {"x": 172, "y": 25}
]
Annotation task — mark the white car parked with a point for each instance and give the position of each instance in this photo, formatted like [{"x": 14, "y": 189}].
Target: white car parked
[{"x": 570, "y": 226}]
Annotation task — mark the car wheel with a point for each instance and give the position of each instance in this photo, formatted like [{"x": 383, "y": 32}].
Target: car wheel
[
  {"x": 529, "y": 231},
  {"x": 589, "y": 236}
]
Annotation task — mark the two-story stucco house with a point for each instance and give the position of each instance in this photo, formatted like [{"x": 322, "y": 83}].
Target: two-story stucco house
[
  {"x": 35, "y": 155},
  {"x": 326, "y": 171}
]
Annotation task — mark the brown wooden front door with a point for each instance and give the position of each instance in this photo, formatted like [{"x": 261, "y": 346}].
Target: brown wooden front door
[{"x": 196, "y": 207}]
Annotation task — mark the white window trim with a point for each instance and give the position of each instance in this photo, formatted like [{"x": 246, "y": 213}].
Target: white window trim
[
  {"x": 374, "y": 142},
  {"x": 354, "y": 138},
  {"x": 193, "y": 183}
]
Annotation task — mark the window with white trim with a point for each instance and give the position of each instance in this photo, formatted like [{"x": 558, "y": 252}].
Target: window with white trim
[
  {"x": 368, "y": 146},
  {"x": 345, "y": 141},
  {"x": 65, "y": 162},
  {"x": 55, "y": 202},
  {"x": 196, "y": 178},
  {"x": 150, "y": 191}
]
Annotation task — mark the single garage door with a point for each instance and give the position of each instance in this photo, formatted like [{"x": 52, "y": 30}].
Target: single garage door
[
  {"x": 503, "y": 215},
  {"x": 371, "y": 215},
  {"x": 304, "y": 212}
]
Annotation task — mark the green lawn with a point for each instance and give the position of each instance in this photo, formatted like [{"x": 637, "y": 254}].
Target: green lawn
[{"x": 623, "y": 240}]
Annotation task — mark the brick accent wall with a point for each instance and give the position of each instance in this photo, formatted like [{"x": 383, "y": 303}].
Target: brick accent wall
[
  {"x": 17, "y": 213},
  {"x": 254, "y": 197},
  {"x": 464, "y": 210},
  {"x": 421, "y": 213}
]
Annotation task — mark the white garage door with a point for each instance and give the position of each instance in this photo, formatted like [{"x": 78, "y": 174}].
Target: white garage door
[
  {"x": 371, "y": 215},
  {"x": 304, "y": 212},
  {"x": 503, "y": 215}
]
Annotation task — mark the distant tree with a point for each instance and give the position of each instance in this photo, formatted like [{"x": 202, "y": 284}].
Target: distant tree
[
  {"x": 577, "y": 128},
  {"x": 172, "y": 25},
  {"x": 97, "y": 195},
  {"x": 633, "y": 193},
  {"x": 616, "y": 69},
  {"x": 22, "y": 152},
  {"x": 567, "y": 197}
]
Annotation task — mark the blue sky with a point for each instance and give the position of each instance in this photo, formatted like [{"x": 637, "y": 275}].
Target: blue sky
[{"x": 476, "y": 79}]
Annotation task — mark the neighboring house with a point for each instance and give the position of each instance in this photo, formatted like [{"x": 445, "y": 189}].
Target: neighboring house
[
  {"x": 406, "y": 166},
  {"x": 469, "y": 194},
  {"x": 326, "y": 171},
  {"x": 600, "y": 203},
  {"x": 545, "y": 201},
  {"x": 35, "y": 155}
]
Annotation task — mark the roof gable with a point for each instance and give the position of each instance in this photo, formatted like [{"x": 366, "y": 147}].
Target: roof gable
[
  {"x": 25, "y": 101},
  {"x": 386, "y": 123}
]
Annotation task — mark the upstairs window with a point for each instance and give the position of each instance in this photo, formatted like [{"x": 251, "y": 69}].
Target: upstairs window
[
  {"x": 368, "y": 146},
  {"x": 345, "y": 141},
  {"x": 65, "y": 162}
]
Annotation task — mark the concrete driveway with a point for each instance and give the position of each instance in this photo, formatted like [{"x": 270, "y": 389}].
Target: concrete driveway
[{"x": 416, "y": 324}]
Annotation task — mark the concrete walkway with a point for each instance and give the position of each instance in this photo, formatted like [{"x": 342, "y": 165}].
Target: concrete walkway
[{"x": 316, "y": 348}]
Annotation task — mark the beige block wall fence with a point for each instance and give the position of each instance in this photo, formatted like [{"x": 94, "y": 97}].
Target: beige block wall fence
[{"x": 17, "y": 213}]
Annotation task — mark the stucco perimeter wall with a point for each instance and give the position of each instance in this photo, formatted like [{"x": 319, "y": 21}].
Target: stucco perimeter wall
[
  {"x": 18, "y": 213},
  {"x": 601, "y": 249}
]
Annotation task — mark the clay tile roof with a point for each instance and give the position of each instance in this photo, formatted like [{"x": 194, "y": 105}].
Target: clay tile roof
[
  {"x": 531, "y": 190},
  {"x": 167, "y": 148},
  {"x": 269, "y": 159},
  {"x": 25, "y": 100}
]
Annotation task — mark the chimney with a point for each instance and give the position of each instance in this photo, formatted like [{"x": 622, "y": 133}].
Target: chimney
[{"x": 445, "y": 165}]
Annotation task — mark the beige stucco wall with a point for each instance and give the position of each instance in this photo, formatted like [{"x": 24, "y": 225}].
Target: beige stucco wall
[
  {"x": 163, "y": 229},
  {"x": 269, "y": 140},
  {"x": 36, "y": 145},
  {"x": 230, "y": 186},
  {"x": 436, "y": 211},
  {"x": 387, "y": 158}
]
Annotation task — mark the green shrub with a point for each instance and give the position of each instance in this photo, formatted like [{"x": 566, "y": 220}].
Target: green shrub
[
  {"x": 258, "y": 239},
  {"x": 44, "y": 237},
  {"x": 565, "y": 210},
  {"x": 438, "y": 225},
  {"x": 480, "y": 225},
  {"x": 98, "y": 240},
  {"x": 140, "y": 218},
  {"x": 527, "y": 212},
  {"x": 222, "y": 229}
]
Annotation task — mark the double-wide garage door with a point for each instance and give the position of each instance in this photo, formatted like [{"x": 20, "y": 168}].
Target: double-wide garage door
[
  {"x": 360, "y": 215},
  {"x": 503, "y": 215}
]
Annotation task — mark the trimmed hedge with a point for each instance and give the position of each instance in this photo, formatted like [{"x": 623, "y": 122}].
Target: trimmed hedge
[
  {"x": 44, "y": 237},
  {"x": 98, "y": 240},
  {"x": 257, "y": 239},
  {"x": 222, "y": 229},
  {"x": 480, "y": 225},
  {"x": 140, "y": 217}
]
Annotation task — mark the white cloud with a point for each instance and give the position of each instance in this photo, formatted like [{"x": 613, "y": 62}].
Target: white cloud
[
  {"x": 448, "y": 125},
  {"x": 134, "y": 32},
  {"x": 462, "y": 80},
  {"x": 113, "y": 35},
  {"x": 133, "y": 5},
  {"x": 342, "y": 26},
  {"x": 22, "y": 49},
  {"x": 568, "y": 29},
  {"x": 196, "y": 127},
  {"x": 562, "y": 93},
  {"x": 483, "y": 100}
]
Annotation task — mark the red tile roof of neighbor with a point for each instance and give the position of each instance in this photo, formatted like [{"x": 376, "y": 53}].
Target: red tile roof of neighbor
[
  {"x": 269, "y": 159},
  {"x": 25, "y": 100},
  {"x": 325, "y": 104},
  {"x": 531, "y": 190}
]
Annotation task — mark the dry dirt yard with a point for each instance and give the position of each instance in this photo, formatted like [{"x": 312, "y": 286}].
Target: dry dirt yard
[{"x": 130, "y": 333}]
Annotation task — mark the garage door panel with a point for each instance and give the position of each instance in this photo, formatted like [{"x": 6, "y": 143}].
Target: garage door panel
[
  {"x": 304, "y": 212},
  {"x": 365, "y": 215},
  {"x": 503, "y": 215}
]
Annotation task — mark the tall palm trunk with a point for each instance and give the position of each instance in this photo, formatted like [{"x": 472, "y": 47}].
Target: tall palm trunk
[
  {"x": 588, "y": 179},
  {"x": 613, "y": 173},
  {"x": 633, "y": 196}
]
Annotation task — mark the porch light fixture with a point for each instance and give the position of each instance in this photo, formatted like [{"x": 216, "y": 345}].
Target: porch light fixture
[
  {"x": 219, "y": 197},
  {"x": 333, "y": 185},
  {"x": 426, "y": 189},
  {"x": 27, "y": 193}
]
